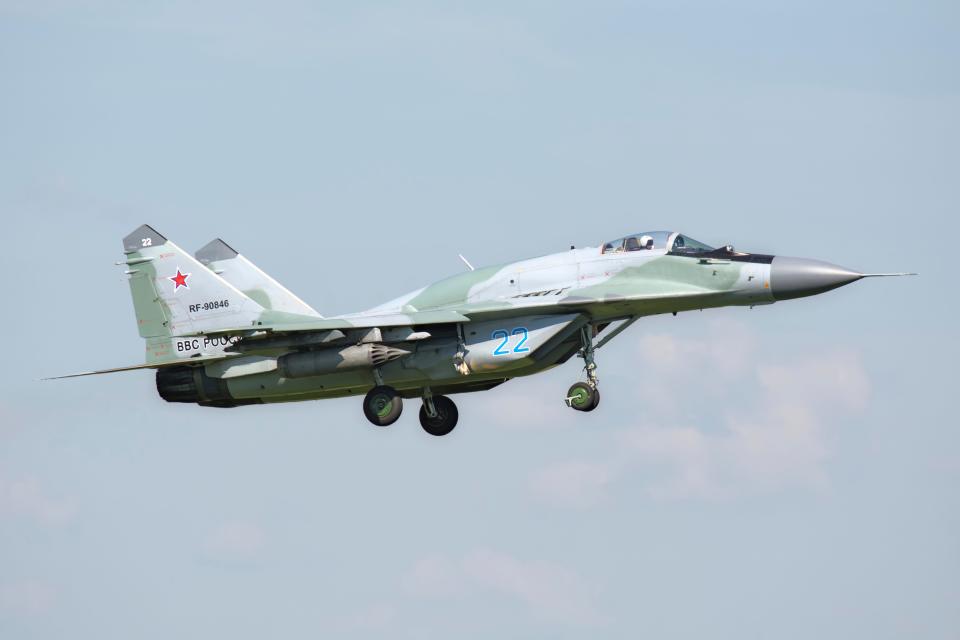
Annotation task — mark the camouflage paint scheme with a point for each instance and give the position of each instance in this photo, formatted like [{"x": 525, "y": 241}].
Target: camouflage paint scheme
[{"x": 221, "y": 332}]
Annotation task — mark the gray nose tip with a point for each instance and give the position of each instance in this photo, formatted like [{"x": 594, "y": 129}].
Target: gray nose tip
[{"x": 799, "y": 277}]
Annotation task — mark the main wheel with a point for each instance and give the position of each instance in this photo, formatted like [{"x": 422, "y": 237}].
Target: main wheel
[
  {"x": 582, "y": 397},
  {"x": 382, "y": 405},
  {"x": 445, "y": 420}
]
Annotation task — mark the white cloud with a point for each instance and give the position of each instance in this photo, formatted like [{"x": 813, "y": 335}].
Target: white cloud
[
  {"x": 434, "y": 576},
  {"x": 576, "y": 483},
  {"x": 836, "y": 377},
  {"x": 379, "y": 616},
  {"x": 726, "y": 346},
  {"x": 549, "y": 592},
  {"x": 26, "y": 597},
  {"x": 234, "y": 541},
  {"x": 529, "y": 403},
  {"x": 773, "y": 436},
  {"x": 25, "y": 498}
]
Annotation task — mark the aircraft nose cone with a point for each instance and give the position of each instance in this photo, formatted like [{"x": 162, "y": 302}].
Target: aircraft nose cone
[{"x": 799, "y": 277}]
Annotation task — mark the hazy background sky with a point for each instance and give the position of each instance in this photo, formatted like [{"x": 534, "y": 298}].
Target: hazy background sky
[{"x": 789, "y": 471}]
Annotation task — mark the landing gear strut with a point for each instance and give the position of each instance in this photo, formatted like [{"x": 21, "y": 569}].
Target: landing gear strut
[
  {"x": 382, "y": 405},
  {"x": 438, "y": 414},
  {"x": 585, "y": 396}
]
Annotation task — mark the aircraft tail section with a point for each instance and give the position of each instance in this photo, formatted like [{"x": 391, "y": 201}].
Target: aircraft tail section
[
  {"x": 243, "y": 274},
  {"x": 175, "y": 295}
]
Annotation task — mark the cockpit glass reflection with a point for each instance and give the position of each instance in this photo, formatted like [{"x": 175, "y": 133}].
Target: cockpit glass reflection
[{"x": 646, "y": 241}]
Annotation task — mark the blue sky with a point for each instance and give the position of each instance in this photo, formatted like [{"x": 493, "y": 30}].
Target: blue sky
[{"x": 788, "y": 470}]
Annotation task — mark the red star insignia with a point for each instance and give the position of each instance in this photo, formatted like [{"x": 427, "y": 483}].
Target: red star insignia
[{"x": 180, "y": 280}]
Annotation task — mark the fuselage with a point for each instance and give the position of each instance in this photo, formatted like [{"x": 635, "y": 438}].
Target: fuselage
[
  {"x": 605, "y": 285},
  {"x": 222, "y": 333}
]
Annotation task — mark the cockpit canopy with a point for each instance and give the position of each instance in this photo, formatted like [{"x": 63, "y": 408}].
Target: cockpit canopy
[{"x": 668, "y": 241}]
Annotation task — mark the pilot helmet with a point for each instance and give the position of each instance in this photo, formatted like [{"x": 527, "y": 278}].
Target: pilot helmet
[{"x": 646, "y": 242}]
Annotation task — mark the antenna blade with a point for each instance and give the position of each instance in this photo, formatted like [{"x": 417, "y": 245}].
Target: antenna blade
[{"x": 466, "y": 262}]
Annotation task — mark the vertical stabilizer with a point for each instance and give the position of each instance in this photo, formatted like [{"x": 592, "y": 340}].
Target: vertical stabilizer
[
  {"x": 174, "y": 295},
  {"x": 243, "y": 274}
]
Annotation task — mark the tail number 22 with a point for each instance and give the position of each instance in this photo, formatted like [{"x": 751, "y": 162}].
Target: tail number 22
[{"x": 503, "y": 349}]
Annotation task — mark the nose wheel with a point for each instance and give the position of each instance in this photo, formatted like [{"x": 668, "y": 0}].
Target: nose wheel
[
  {"x": 582, "y": 397},
  {"x": 382, "y": 405}
]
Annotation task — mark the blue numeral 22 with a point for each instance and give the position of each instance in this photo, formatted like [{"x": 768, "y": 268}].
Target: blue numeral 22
[{"x": 519, "y": 348}]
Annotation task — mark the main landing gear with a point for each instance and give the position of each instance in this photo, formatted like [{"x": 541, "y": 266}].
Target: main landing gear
[
  {"x": 585, "y": 396},
  {"x": 383, "y": 405},
  {"x": 438, "y": 415}
]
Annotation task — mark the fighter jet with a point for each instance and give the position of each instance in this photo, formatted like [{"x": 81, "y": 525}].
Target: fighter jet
[{"x": 222, "y": 333}]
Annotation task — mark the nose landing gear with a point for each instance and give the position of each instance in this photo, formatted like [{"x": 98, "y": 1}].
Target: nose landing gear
[{"x": 585, "y": 396}]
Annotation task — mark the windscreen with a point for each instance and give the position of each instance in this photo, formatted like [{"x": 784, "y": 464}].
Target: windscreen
[{"x": 687, "y": 245}]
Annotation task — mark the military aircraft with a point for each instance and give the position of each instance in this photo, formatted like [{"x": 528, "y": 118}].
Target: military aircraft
[{"x": 222, "y": 333}]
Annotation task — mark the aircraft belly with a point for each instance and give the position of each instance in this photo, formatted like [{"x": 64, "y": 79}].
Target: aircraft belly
[
  {"x": 273, "y": 387},
  {"x": 494, "y": 350},
  {"x": 273, "y": 384}
]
